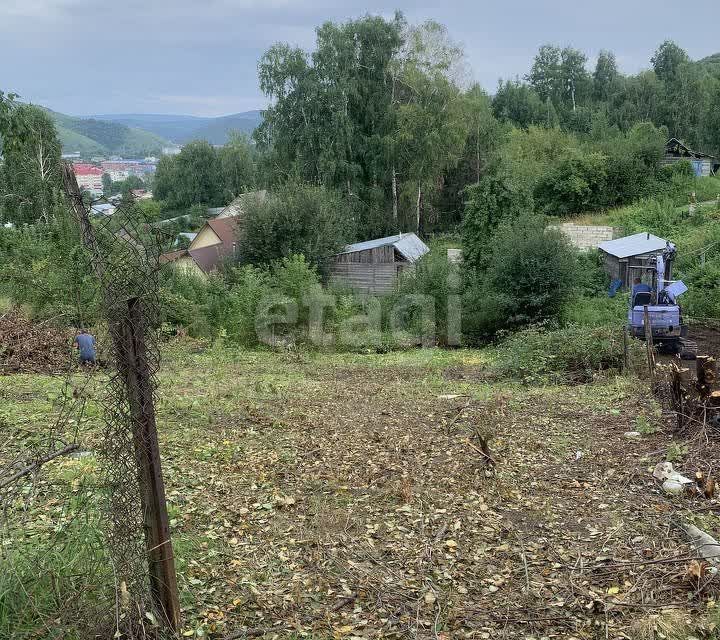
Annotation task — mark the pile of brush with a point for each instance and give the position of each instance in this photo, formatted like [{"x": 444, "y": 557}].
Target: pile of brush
[{"x": 31, "y": 347}]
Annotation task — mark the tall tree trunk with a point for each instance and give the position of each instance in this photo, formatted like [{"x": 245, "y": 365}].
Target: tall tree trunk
[
  {"x": 477, "y": 154},
  {"x": 418, "y": 220},
  {"x": 394, "y": 195}
]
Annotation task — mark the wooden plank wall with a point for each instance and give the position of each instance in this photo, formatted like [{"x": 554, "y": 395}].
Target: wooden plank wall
[
  {"x": 365, "y": 277},
  {"x": 377, "y": 255},
  {"x": 707, "y": 164}
]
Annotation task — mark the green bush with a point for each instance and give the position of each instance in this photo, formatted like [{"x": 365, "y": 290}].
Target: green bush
[
  {"x": 575, "y": 185},
  {"x": 44, "y": 267},
  {"x": 707, "y": 188},
  {"x": 532, "y": 273},
  {"x": 497, "y": 198},
  {"x": 592, "y": 280},
  {"x": 702, "y": 299},
  {"x": 573, "y": 354},
  {"x": 659, "y": 216},
  {"x": 596, "y": 311},
  {"x": 436, "y": 281},
  {"x": 296, "y": 219},
  {"x": 61, "y": 585}
]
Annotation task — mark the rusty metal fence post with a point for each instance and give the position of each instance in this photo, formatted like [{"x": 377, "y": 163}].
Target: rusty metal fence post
[{"x": 138, "y": 510}]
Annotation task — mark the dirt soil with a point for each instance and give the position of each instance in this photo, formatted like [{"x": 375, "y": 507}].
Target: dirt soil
[
  {"x": 354, "y": 501},
  {"x": 707, "y": 338}
]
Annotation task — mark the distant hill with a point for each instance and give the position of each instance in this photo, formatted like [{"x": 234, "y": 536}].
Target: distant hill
[
  {"x": 90, "y": 136},
  {"x": 712, "y": 63},
  {"x": 181, "y": 129}
]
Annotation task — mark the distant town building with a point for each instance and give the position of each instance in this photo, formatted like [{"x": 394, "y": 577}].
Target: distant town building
[
  {"x": 118, "y": 176},
  {"x": 170, "y": 151},
  {"x": 125, "y": 168},
  {"x": 89, "y": 177},
  {"x": 102, "y": 209}
]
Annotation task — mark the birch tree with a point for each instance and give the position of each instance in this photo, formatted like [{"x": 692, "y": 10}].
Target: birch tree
[{"x": 30, "y": 171}]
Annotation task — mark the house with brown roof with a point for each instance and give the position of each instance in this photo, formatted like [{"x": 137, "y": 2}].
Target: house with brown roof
[{"x": 214, "y": 243}]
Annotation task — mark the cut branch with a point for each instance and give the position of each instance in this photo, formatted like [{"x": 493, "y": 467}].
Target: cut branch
[{"x": 37, "y": 464}]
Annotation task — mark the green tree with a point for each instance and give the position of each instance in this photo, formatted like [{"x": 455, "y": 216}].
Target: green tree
[
  {"x": 431, "y": 125},
  {"x": 107, "y": 185},
  {"x": 544, "y": 76},
  {"x": 531, "y": 275},
  {"x": 485, "y": 137},
  {"x": 190, "y": 177},
  {"x": 667, "y": 60},
  {"x": 496, "y": 198},
  {"x": 518, "y": 103},
  {"x": 30, "y": 187},
  {"x": 295, "y": 219},
  {"x": 605, "y": 76},
  {"x": 332, "y": 110},
  {"x": 237, "y": 165},
  {"x": 574, "y": 78},
  {"x": 575, "y": 185}
]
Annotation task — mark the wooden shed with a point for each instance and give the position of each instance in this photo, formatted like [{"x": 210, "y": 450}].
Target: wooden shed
[
  {"x": 702, "y": 163},
  {"x": 374, "y": 266},
  {"x": 629, "y": 257}
]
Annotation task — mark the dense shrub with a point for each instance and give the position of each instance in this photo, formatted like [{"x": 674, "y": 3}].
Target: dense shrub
[
  {"x": 702, "y": 299},
  {"x": 575, "y": 185},
  {"x": 596, "y": 311},
  {"x": 242, "y": 303},
  {"x": 497, "y": 198},
  {"x": 44, "y": 267},
  {"x": 431, "y": 293},
  {"x": 658, "y": 216},
  {"x": 531, "y": 274},
  {"x": 296, "y": 219},
  {"x": 592, "y": 279},
  {"x": 573, "y": 354}
]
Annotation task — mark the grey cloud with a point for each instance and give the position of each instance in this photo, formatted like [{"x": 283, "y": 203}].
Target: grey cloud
[{"x": 201, "y": 57}]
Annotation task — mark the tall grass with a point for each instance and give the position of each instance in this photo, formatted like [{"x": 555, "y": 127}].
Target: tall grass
[{"x": 58, "y": 588}]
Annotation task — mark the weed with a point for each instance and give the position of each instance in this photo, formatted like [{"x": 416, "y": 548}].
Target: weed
[
  {"x": 676, "y": 452},
  {"x": 643, "y": 425}
]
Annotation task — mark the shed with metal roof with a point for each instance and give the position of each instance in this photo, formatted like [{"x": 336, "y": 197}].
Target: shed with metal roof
[
  {"x": 631, "y": 256},
  {"x": 374, "y": 266}
]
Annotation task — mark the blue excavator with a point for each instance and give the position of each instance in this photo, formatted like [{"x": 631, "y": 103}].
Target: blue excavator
[{"x": 665, "y": 314}]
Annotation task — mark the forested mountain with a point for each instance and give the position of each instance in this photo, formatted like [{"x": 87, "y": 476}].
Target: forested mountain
[
  {"x": 91, "y": 136},
  {"x": 181, "y": 129}
]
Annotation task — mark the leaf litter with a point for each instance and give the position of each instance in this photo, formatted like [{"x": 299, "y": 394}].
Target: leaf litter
[{"x": 347, "y": 502}]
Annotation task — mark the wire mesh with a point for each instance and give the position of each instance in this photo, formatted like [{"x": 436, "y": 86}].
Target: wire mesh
[{"x": 122, "y": 252}]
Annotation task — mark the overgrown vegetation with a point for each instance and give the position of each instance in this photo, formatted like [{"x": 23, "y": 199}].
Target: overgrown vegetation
[{"x": 376, "y": 131}]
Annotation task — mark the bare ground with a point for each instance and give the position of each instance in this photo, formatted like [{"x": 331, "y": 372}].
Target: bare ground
[{"x": 350, "y": 499}]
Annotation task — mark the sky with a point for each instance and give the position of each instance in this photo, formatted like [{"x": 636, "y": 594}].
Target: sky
[{"x": 195, "y": 57}]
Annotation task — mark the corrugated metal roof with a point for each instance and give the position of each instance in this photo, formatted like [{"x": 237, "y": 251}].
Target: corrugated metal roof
[
  {"x": 634, "y": 245},
  {"x": 407, "y": 244}
]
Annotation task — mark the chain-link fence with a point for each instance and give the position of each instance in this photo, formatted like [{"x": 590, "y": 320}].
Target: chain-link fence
[{"x": 112, "y": 513}]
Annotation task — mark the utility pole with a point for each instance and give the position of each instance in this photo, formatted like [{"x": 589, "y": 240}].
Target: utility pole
[{"x": 127, "y": 325}]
